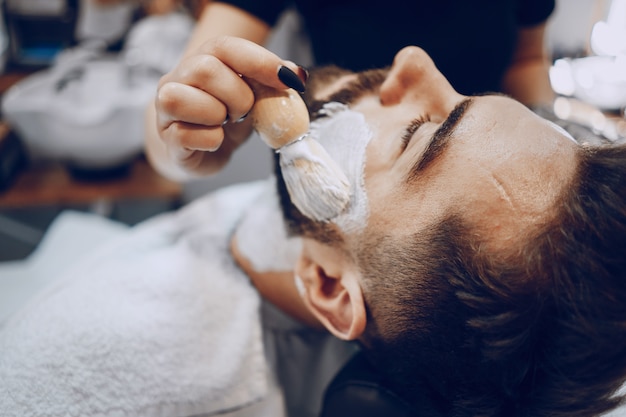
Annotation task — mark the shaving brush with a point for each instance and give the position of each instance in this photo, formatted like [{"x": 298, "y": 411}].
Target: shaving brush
[{"x": 316, "y": 184}]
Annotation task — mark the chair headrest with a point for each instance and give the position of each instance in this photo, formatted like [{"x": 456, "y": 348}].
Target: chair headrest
[{"x": 358, "y": 390}]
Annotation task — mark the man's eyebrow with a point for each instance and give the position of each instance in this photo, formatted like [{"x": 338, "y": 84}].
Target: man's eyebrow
[{"x": 439, "y": 140}]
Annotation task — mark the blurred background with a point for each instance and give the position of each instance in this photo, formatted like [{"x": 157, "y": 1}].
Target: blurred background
[{"x": 76, "y": 75}]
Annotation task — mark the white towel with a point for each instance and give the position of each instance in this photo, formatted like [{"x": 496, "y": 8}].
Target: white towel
[
  {"x": 70, "y": 236},
  {"x": 159, "y": 322}
]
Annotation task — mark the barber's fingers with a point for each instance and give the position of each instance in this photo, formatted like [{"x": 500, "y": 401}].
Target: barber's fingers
[
  {"x": 210, "y": 81},
  {"x": 182, "y": 138},
  {"x": 251, "y": 60},
  {"x": 207, "y": 88},
  {"x": 189, "y": 118},
  {"x": 191, "y": 137},
  {"x": 191, "y": 151},
  {"x": 181, "y": 102},
  {"x": 219, "y": 70}
]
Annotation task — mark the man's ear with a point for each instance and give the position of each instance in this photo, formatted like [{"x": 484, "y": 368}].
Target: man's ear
[{"x": 332, "y": 289}]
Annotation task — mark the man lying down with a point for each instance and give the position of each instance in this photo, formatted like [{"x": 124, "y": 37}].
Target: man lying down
[{"x": 480, "y": 266}]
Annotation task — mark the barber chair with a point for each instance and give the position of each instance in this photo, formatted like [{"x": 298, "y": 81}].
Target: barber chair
[{"x": 358, "y": 390}]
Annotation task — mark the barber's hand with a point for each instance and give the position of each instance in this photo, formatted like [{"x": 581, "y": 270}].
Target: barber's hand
[{"x": 200, "y": 104}]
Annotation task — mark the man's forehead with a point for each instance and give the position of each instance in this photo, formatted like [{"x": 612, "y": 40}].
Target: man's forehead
[
  {"x": 498, "y": 123},
  {"x": 518, "y": 163}
]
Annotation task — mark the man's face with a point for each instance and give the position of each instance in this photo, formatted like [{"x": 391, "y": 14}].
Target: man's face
[{"x": 435, "y": 152}]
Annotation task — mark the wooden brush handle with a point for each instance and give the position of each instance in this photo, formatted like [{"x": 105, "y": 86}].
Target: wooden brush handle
[{"x": 279, "y": 116}]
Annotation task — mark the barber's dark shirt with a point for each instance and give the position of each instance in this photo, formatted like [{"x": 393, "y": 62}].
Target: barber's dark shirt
[{"x": 471, "y": 41}]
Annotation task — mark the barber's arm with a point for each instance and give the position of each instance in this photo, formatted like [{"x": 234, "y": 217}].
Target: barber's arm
[
  {"x": 185, "y": 134},
  {"x": 527, "y": 78}
]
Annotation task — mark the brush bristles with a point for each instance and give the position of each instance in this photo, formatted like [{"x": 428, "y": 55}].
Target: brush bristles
[{"x": 316, "y": 184}]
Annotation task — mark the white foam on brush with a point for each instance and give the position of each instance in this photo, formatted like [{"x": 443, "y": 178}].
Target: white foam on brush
[
  {"x": 316, "y": 184},
  {"x": 345, "y": 135}
]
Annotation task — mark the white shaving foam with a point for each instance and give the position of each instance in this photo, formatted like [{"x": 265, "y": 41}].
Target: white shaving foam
[
  {"x": 262, "y": 235},
  {"x": 345, "y": 134}
]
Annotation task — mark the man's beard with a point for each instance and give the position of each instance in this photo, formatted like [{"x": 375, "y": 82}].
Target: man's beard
[{"x": 364, "y": 83}]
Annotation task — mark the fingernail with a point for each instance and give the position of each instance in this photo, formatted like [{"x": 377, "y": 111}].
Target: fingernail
[
  {"x": 303, "y": 73},
  {"x": 229, "y": 120},
  {"x": 241, "y": 119},
  {"x": 290, "y": 79}
]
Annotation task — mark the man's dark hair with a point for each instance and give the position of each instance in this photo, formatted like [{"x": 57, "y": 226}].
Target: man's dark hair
[{"x": 537, "y": 331}]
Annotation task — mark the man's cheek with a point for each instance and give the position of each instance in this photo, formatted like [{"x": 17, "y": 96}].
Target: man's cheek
[{"x": 345, "y": 135}]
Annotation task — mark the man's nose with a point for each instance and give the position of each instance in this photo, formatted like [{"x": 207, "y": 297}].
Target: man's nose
[{"x": 414, "y": 76}]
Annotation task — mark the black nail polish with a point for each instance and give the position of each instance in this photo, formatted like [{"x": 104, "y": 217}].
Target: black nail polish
[{"x": 290, "y": 79}]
